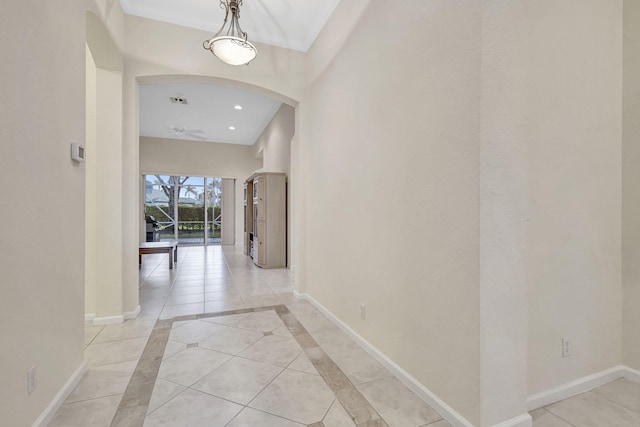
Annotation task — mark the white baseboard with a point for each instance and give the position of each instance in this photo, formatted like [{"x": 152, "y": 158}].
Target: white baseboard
[
  {"x": 113, "y": 320},
  {"x": 89, "y": 316},
  {"x": 523, "y": 420},
  {"x": 110, "y": 320},
  {"x": 45, "y": 418},
  {"x": 574, "y": 387},
  {"x": 630, "y": 373},
  {"x": 451, "y": 415},
  {"x": 132, "y": 314}
]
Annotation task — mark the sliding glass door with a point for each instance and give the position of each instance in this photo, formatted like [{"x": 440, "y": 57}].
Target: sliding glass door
[
  {"x": 214, "y": 210},
  {"x": 184, "y": 208},
  {"x": 191, "y": 211}
]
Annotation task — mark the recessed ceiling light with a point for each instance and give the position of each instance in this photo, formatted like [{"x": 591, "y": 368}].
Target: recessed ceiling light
[
  {"x": 232, "y": 128},
  {"x": 238, "y": 107}
]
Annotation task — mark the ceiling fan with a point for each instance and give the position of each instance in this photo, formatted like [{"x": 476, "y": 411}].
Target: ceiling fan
[{"x": 181, "y": 131}]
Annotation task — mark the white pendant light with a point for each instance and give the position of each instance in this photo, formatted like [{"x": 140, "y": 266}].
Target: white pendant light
[{"x": 231, "y": 46}]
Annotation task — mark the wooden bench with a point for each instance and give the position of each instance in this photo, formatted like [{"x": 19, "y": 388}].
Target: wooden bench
[{"x": 170, "y": 247}]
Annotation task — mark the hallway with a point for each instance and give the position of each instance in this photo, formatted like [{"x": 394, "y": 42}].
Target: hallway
[{"x": 221, "y": 342}]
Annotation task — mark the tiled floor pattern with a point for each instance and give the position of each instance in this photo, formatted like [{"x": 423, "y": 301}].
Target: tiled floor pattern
[
  {"x": 616, "y": 404},
  {"x": 259, "y": 367},
  {"x": 271, "y": 360}
]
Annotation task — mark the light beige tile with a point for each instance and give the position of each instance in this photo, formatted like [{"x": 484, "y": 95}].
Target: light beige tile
[
  {"x": 171, "y": 311},
  {"x": 95, "y": 413},
  {"x": 396, "y": 404},
  {"x": 235, "y": 303},
  {"x": 263, "y": 321},
  {"x": 231, "y": 340},
  {"x": 152, "y": 302},
  {"x": 227, "y": 320},
  {"x": 316, "y": 322},
  {"x": 90, "y": 332},
  {"x": 250, "y": 417},
  {"x": 163, "y": 391},
  {"x": 282, "y": 331},
  {"x": 296, "y": 396},
  {"x": 149, "y": 313},
  {"x": 194, "y": 331},
  {"x": 261, "y": 301},
  {"x": 238, "y": 380},
  {"x": 334, "y": 341},
  {"x": 175, "y": 299},
  {"x": 278, "y": 286},
  {"x": 193, "y": 408},
  {"x": 188, "y": 283},
  {"x": 173, "y": 348},
  {"x": 254, "y": 291},
  {"x": 274, "y": 350},
  {"x": 303, "y": 364},
  {"x": 190, "y": 365},
  {"x": 115, "y": 351},
  {"x": 623, "y": 391},
  {"x": 101, "y": 381},
  {"x": 302, "y": 308},
  {"x": 338, "y": 417},
  {"x": 359, "y": 366},
  {"x": 590, "y": 409},
  {"x": 179, "y": 323},
  {"x": 442, "y": 423},
  {"x": 287, "y": 297},
  {"x": 188, "y": 290},
  {"x": 543, "y": 418},
  {"x": 124, "y": 331},
  {"x": 222, "y": 295}
]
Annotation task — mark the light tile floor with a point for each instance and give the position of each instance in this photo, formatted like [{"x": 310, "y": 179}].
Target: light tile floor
[{"x": 276, "y": 361}]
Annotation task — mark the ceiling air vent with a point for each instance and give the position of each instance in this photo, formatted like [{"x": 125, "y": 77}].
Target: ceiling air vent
[{"x": 178, "y": 100}]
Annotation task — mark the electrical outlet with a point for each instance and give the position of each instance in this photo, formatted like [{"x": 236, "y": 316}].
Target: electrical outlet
[
  {"x": 566, "y": 347},
  {"x": 362, "y": 311},
  {"x": 32, "y": 379}
]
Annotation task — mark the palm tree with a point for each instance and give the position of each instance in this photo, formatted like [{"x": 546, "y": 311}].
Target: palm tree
[{"x": 171, "y": 187}]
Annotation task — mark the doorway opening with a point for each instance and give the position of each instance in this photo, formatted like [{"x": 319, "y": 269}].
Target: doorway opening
[{"x": 183, "y": 208}]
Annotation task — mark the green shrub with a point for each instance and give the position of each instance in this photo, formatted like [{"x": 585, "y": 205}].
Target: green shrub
[{"x": 191, "y": 218}]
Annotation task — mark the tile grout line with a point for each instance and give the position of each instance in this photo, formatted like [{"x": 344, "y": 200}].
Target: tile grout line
[
  {"x": 594, "y": 390},
  {"x": 558, "y": 417},
  {"x": 135, "y": 401},
  {"x": 355, "y": 404}
]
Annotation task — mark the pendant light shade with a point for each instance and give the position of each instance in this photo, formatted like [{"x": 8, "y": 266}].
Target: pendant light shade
[{"x": 230, "y": 43}]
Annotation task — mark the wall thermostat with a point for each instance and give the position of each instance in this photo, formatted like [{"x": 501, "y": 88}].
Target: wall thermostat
[{"x": 77, "y": 152}]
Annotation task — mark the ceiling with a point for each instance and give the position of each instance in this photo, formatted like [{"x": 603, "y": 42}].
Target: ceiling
[
  {"x": 292, "y": 24},
  {"x": 209, "y": 108}
]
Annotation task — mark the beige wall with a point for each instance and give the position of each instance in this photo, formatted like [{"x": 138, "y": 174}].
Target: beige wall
[
  {"x": 392, "y": 198},
  {"x": 631, "y": 186},
  {"x": 574, "y": 261},
  {"x": 90, "y": 257},
  {"x": 42, "y": 112},
  {"x": 104, "y": 178},
  {"x": 109, "y": 195},
  {"x": 200, "y": 158},
  {"x": 502, "y": 213},
  {"x": 274, "y": 146}
]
